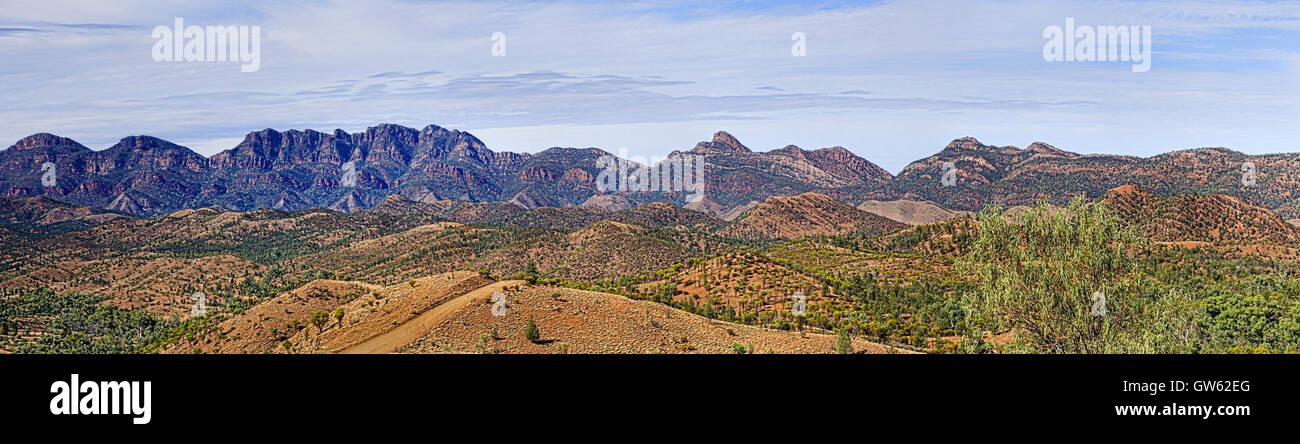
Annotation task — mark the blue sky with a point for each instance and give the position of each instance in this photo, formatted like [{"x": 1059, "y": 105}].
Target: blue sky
[{"x": 892, "y": 81}]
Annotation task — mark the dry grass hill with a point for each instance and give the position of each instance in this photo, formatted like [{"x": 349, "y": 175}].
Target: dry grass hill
[
  {"x": 267, "y": 326},
  {"x": 454, "y": 313},
  {"x": 43, "y": 211},
  {"x": 808, "y": 214},
  {"x": 1204, "y": 218},
  {"x": 575, "y": 321},
  {"x": 910, "y": 212},
  {"x": 602, "y": 250}
]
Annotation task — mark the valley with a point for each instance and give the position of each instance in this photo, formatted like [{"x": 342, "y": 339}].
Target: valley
[{"x": 829, "y": 255}]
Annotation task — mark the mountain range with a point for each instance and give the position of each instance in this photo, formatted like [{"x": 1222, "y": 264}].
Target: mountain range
[{"x": 290, "y": 170}]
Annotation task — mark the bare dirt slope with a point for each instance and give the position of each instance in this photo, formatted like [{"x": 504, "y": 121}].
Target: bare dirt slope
[
  {"x": 264, "y": 327},
  {"x": 452, "y": 313},
  {"x": 911, "y": 212},
  {"x": 383, "y": 310},
  {"x": 576, "y": 321},
  {"x": 807, "y": 214},
  {"x": 411, "y": 330}
]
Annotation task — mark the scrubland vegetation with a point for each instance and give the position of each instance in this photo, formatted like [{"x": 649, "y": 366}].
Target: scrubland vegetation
[{"x": 1079, "y": 278}]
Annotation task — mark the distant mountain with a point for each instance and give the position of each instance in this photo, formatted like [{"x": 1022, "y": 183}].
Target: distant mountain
[
  {"x": 654, "y": 214},
  {"x": 986, "y": 174},
  {"x": 807, "y": 214},
  {"x": 734, "y": 175},
  {"x": 349, "y": 172}
]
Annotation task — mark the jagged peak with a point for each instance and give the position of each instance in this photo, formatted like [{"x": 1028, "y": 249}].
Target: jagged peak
[
  {"x": 790, "y": 150},
  {"x": 726, "y": 139},
  {"x": 143, "y": 141},
  {"x": 965, "y": 143},
  {"x": 1044, "y": 148},
  {"x": 390, "y": 127},
  {"x": 41, "y": 140},
  {"x": 267, "y": 135},
  {"x": 722, "y": 141}
]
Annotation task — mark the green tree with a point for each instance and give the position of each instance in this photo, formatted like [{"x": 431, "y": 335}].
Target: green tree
[
  {"x": 319, "y": 319},
  {"x": 843, "y": 342},
  {"x": 338, "y": 316},
  {"x": 531, "y": 332},
  {"x": 1044, "y": 274},
  {"x": 530, "y": 273}
]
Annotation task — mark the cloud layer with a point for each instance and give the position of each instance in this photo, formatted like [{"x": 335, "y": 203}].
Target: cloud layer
[{"x": 891, "y": 81}]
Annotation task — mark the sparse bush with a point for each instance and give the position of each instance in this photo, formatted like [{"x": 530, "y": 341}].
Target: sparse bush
[
  {"x": 843, "y": 342},
  {"x": 319, "y": 319},
  {"x": 532, "y": 332},
  {"x": 1036, "y": 278}
]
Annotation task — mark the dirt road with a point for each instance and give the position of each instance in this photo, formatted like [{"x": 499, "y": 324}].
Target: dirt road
[{"x": 413, "y": 329}]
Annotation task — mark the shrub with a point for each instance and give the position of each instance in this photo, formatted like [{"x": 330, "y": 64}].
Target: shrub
[
  {"x": 843, "y": 342},
  {"x": 1036, "y": 278},
  {"x": 319, "y": 319},
  {"x": 531, "y": 332}
]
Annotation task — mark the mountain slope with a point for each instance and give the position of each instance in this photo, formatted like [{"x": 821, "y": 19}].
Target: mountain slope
[
  {"x": 734, "y": 175},
  {"x": 807, "y": 214},
  {"x": 1205, "y": 218},
  {"x": 43, "y": 211},
  {"x": 910, "y": 212},
  {"x": 987, "y": 174},
  {"x": 349, "y": 172}
]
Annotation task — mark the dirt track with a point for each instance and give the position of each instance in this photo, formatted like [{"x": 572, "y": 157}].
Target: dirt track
[{"x": 411, "y": 330}]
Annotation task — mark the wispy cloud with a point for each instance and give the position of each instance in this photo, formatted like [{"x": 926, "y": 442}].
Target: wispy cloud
[{"x": 890, "y": 80}]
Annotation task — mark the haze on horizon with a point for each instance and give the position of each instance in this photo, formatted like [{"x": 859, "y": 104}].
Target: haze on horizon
[{"x": 892, "y": 81}]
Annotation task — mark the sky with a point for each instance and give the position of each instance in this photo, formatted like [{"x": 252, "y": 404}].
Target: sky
[{"x": 892, "y": 81}]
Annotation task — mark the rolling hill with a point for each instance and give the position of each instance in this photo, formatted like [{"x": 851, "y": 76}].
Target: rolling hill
[
  {"x": 454, "y": 313},
  {"x": 1203, "y": 218},
  {"x": 807, "y": 214},
  {"x": 910, "y": 212}
]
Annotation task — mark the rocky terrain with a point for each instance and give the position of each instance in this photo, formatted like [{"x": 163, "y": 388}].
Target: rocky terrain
[
  {"x": 910, "y": 212},
  {"x": 574, "y": 321},
  {"x": 1204, "y": 218},
  {"x": 807, "y": 214},
  {"x": 349, "y": 172},
  {"x": 290, "y": 259}
]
